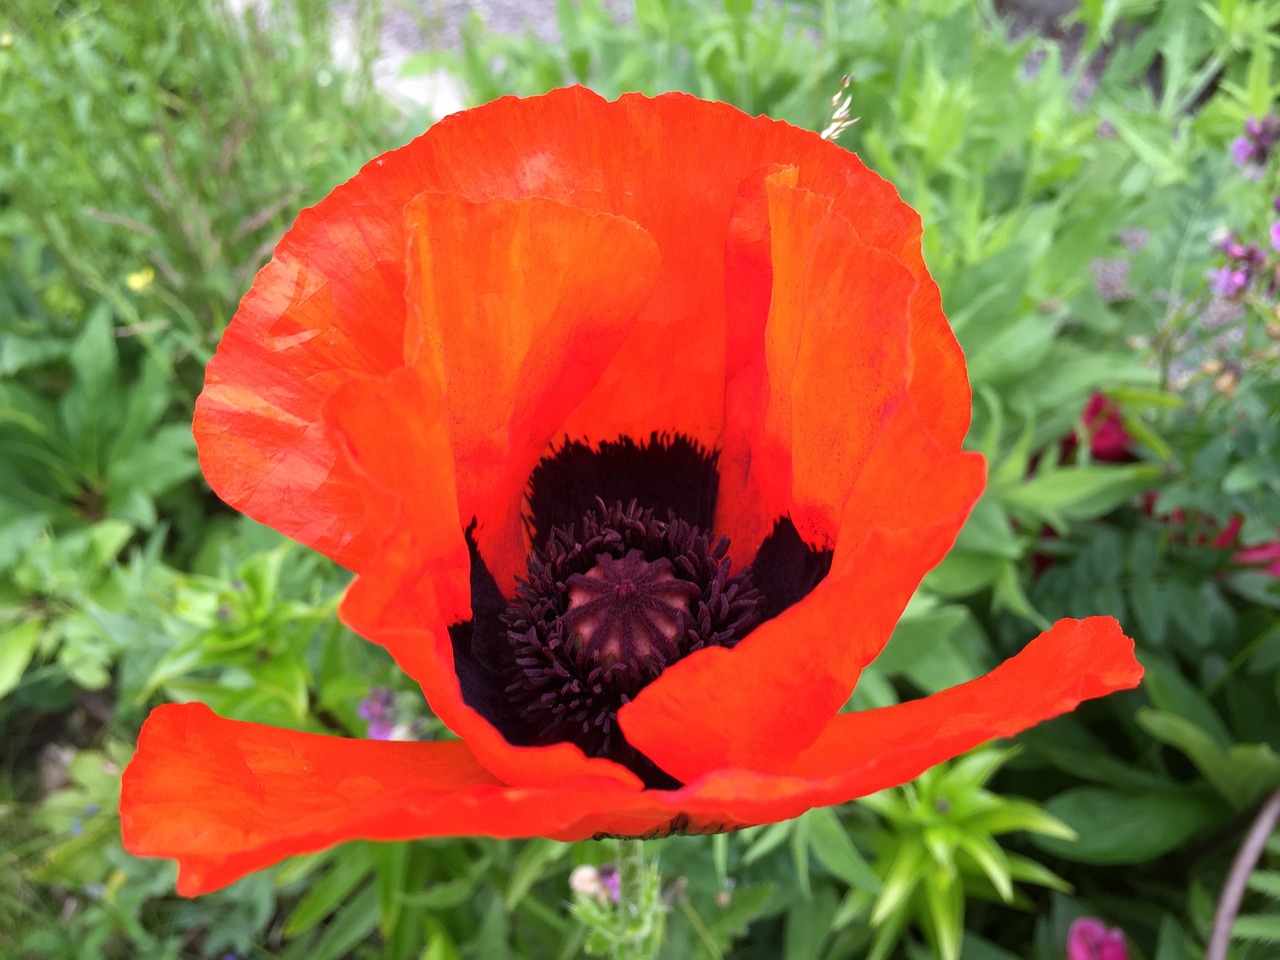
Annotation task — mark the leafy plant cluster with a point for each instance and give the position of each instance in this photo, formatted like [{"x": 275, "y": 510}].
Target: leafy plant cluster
[{"x": 1079, "y": 201}]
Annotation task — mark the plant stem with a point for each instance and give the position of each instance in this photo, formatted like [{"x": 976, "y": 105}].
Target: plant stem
[
  {"x": 1238, "y": 878},
  {"x": 638, "y": 904}
]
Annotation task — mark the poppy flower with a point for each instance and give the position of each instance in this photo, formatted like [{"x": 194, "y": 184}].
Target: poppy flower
[{"x": 638, "y": 423}]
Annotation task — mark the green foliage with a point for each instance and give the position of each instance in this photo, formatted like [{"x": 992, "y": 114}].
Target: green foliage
[
  {"x": 1068, "y": 211},
  {"x": 939, "y": 848},
  {"x": 156, "y": 159}
]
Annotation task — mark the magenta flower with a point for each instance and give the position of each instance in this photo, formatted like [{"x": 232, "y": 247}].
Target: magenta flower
[
  {"x": 1091, "y": 939},
  {"x": 1251, "y": 151},
  {"x": 1108, "y": 439},
  {"x": 1228, "y": 282},
  {"x": 1275, "y": 236}
]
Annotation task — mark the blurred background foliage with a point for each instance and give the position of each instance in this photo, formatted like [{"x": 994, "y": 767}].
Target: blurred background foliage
[{"x": 1081, "y": 186}]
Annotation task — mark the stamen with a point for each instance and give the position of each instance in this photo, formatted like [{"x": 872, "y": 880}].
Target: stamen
[{"x": 609, "y": 603}]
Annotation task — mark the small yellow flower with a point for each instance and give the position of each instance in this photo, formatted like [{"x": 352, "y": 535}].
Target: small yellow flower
[{"x": 139, "y": 280}]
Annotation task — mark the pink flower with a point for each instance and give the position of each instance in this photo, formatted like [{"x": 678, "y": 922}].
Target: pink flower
[
  {"x": 1108, "y": 439},
  {"x": 1265, "y": 555},
  {"x": 1091, "y": 939}
]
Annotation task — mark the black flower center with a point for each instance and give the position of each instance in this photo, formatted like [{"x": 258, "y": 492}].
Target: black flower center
[
  {"x": 608, "y": 604},
  {"x": 624, "y": 580}
]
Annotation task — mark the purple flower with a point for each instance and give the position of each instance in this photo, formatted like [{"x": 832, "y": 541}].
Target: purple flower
[
  {"x": 1251, "y": 151},
  {"x": 378, "y": 705},
  {"x": 611, "y": 881},
  {"x": 378, "y": 710},
  {"x": 1242, "y": 151},
  {"x": 1228, "y": 282},
  {"x": 1233, "y": 248},
  {"x": 1090, "y": 939},
  {"x": 1275, "y": 236}
]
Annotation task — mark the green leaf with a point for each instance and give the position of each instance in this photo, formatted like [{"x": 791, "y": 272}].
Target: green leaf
[
  {"x": 808, "y": 926},
  {"x": 1014, "y": 815},
  {"x": 17, "y": 647},
  {"x": 926, "y": 646},
  {"x": 834, "y": 849},
  {"x": 900, "y": 882},
  {"x": 392, "y": 873},
  {"x": 352, "y": 865},
  {"x": 1171, "y": 692},
  {"x": 800, "y": 856},
  {"x": 1059, "y": 496},
  {"x": 1257, "y": 928},
  {"x": 351, "y": 924},
  {"x": 1029, "y": 871},
  {"x": 766, "y": 841},
  {"x": 1243, "y": 774},
  {"x": 533, "y": 859},
  {"x": 1151, "y": 609},
  {"x": 1266, "y": 882},
  {"x": 944, "y": 900},
  {"x": 992, "y": 860},
  {"x": 1117, "y": 827}
]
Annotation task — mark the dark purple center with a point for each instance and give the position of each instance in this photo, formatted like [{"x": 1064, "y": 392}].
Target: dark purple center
[{"x": 624, "y": 579}]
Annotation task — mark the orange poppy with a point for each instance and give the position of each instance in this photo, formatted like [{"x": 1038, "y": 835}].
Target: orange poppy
[{"x": 639, "y": 423}]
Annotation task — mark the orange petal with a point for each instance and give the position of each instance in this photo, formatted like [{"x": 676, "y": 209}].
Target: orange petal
[
  {"x": 1075, "y": 660},
  {"x": 516, "y": 308},
  {"x": 860, "y": 753},
  {"x": 755, "y": 706},
  {"x": 663, "y": 164},
  {"x": 223, "y": 797}
]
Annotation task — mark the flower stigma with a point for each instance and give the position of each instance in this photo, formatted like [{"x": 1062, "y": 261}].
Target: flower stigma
[{"x": 628, "y": 612}]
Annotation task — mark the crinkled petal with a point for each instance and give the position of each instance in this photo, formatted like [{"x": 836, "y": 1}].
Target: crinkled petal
[
  {"x": 327, "y": 308},
  {"x": 516, "y": 307}
]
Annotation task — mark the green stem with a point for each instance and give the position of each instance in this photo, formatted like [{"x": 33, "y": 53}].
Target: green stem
[{"x": 639, "y": 931}]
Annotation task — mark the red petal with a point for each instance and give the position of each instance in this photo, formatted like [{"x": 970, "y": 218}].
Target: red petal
[
  {"x": 1075, "y": 660},
  {"x": 835, "y": 366},
  {"x": 860, "y": 753},
  {"x": 673, "y": 164},
  {"x": 757, "y": 705},
  {"x": 300, "y": 333},
  {"x": 517, "y": 307},
  {"x": 393, "y": 437},
  {"x": 225, "y": 798}
]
